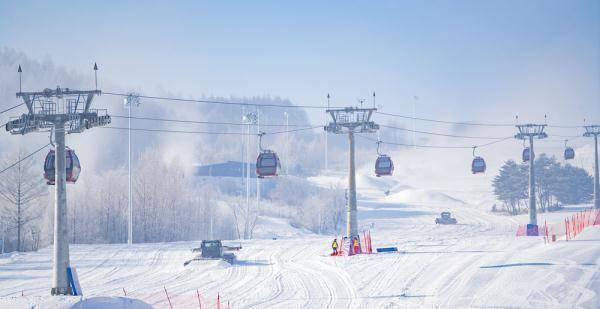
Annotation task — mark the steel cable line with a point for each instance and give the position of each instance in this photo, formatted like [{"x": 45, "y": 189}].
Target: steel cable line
[
  {"x": 469, "y": 123},
  {"x": 440, "y": 134},
  {"x": 215, "y": 101},
  {"x": 564, "y": 127},
  {"x": 11, "y": 108},
  {"x": 437, "y": 146},
  {"x": 208, "y": 132},
  {"x": 447, "y": 122},
  {"x": 25, "y": 158},
  {"x": 205, "y": 122}
]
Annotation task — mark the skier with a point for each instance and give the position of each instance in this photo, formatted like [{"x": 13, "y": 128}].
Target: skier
[
  {"x": 356, "y": 246},
  {"x": 334, "y": 246}
]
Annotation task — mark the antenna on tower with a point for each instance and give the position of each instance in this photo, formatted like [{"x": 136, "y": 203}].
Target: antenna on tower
[
  {"x": 328, "y": 100},
  {"x": 20, "y": 72},
  {"x": 96, "y": 74}
]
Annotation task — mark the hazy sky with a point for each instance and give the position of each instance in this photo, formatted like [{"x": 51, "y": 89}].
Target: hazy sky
[{"x": 465, "y": 60}]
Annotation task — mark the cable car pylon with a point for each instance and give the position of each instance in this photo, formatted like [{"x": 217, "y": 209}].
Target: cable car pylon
[
  {"x": 60, "y": 110},
  {"x": 351, "y": 120},
  {"x": 529, "y": 132}
]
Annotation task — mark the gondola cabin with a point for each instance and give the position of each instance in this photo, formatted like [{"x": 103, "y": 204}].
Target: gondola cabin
[
  {"x": 569, "y": 153},
  {"x": 478, "y": 165},
  {"x": 73, "y": 167},
  {"x": 526, "y": 154},
  {"x": 267, "y": 164},
  {"x": 384, "y": 166}
]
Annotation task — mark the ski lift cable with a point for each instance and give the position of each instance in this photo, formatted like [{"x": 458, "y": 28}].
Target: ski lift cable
[
  {"x": 441, "y": 134},
  {"x": 469, "y": 123},
  {"x": 24, "y": 158},
  {"x": 209, "y": 132},
  {"x": 11, "y": 108},
  {"x": 206, "y": 122},
  {"x": 291, "y": 125},
  {"x": 437, "y": 146},
  {"x": 447, "y": 122},
  {"x": 215, "y": 101}
]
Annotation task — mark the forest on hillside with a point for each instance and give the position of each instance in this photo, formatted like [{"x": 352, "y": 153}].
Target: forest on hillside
[{"x": 556, "y": 184}]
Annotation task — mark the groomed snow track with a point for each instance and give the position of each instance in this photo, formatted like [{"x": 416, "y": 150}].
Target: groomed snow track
[{"x": 476, "y": 263}]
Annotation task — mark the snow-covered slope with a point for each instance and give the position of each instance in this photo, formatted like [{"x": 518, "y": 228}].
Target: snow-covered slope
[{"x": 476, "y": 263}]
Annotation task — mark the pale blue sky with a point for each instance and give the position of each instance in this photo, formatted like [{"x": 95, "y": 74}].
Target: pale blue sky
[{"x": 465, "y": 60}]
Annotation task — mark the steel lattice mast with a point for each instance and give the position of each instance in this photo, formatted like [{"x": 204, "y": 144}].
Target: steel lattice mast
[
  {"x": 351, "y": 120},
  {"x": 65, "y": 111}
]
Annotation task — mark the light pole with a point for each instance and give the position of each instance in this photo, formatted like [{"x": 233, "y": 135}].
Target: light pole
[
  {"x": 3, "y": 232},
  {"x": 594, "y": 131},
  {"x": 326, "y": 138},
  {"x": 131, "y": 100},
  {"x": 258, "y": 152},
  {"x": 287, "y": 143},
  {"x": 414, "y": 138},
  {"x": 249, "y": 119}
]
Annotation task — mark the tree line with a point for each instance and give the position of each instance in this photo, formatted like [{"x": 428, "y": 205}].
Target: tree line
[{"x": 556, "y": 185}]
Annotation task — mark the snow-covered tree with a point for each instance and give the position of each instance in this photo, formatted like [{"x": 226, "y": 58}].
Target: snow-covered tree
[{"x": 21, "y": 191}]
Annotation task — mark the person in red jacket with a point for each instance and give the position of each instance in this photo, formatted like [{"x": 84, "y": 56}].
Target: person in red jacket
[{"x": 356, "y": 245}]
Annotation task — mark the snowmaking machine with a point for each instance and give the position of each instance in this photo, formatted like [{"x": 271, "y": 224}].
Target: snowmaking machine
[{"x": 214, "y": 250}]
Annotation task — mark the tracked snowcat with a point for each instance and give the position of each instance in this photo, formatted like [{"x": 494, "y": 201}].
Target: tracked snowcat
[
  {"x": 445, "y": 218},
  {"x": 213, "y": 250}
]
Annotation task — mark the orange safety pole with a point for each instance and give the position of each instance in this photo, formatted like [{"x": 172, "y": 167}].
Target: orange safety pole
[
  {"x": 199, "y": 301},
  {"x": 546, "y": 230},
  {"x": 218, "y": 301},
  {"x": 169, "y": 299},
  {"x": 566, "y": 230}
]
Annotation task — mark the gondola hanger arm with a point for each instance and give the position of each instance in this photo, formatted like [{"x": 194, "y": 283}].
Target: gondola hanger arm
[
  {"x": 52, "y": 133},
  {"x": 260, "y": 135}
]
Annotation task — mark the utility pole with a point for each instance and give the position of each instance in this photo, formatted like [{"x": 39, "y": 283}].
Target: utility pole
[
  {"x": 66, "y": 111},
  {"x": 594, "y": 131},
  {"x": 351, "y": 120},
  {"x": 529, "y": 132},
  {"x": 131, "y": 100}
]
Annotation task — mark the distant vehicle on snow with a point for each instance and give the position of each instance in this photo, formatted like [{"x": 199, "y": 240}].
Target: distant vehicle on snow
[
  {"x": 213, "y": 250},
  {"x": 445, "y": 218}
]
